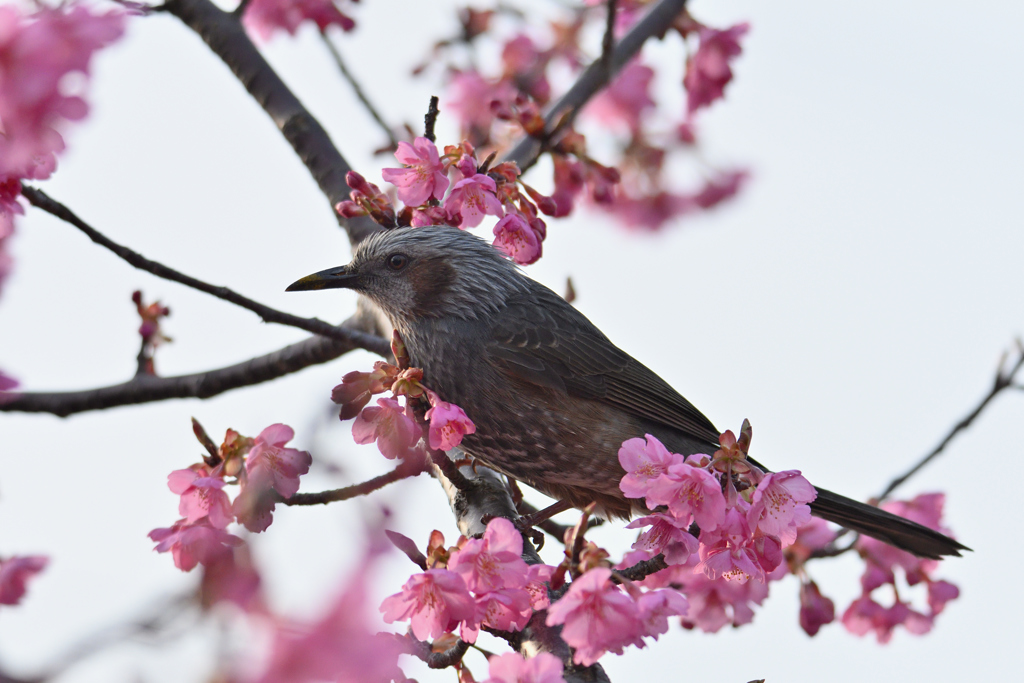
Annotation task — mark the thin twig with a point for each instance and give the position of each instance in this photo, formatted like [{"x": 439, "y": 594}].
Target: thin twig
[
  {"x": 370, "y": 342},
  {"x": 405, "y": 470},
  {"x": 430, "y": 120},
  {"x": 641, "y": 570},
  {"x": 608, "y": 43},
  {"x": 357, "y": 89},
  {"x": 1003, "y": 380},
  {"x": 593, "y": 79}
]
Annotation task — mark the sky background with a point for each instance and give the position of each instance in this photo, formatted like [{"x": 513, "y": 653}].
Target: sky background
[{"x": 853, "y": 303}]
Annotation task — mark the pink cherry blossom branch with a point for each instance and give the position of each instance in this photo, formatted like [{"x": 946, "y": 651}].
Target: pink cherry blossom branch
[
  {"x": 593, "y": 80},
  {"x": 362, "y": 340},
  {"x": 1004, "y": 379},
  {"x": 223, "y": 33},
  {"x": 408, "y": 468}
]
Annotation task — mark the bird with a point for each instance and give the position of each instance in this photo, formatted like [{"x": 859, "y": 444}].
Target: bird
[{"x": 552, "y": 398}]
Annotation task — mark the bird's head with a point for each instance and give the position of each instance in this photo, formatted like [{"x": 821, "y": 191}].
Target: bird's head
[{"x": 431, "y": 272}]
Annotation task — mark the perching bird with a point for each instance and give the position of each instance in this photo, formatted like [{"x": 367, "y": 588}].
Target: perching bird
[{"x": 552, "y": 398}]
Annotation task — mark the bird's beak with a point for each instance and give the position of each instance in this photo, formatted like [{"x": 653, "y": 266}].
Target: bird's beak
[{"x": 332, "y": 278}]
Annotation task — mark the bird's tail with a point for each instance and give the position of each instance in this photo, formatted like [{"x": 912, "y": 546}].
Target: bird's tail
[{"x": 884, "y": 526}]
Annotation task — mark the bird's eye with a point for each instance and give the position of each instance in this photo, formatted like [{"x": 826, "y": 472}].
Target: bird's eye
[{"x": 397, "y": 261}]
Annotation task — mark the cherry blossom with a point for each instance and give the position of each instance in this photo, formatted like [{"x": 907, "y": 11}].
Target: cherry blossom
[
  {"x": 732, "y": 552},
  {"x": 626, "y": 99},
  {"x": 433, "y": 601},
  {"x": 597, "y": 617},
  {"x": 264, "y": 18},
  {"x": 15, "y": 573},
  {"x": 517, "y": 239},
  {"x": 192, "y": 544},
  {"x": 388, "y": 425},
  {"x": 201, "y": 496},
  {"x": 474, "y": 99},
  {"x": 657, "y": 606},
  {"x": 708, "y": 70},
  {"x": 537, "y": 579},
  {"x": 232, "y": 577},
  {"x": 691, "y": 493},
  {"x": 815, "y": 609},
  {"x": 779, "y": 505},
  {"x": 473, "y": 198},
  {"x": 269, "y": 466},
  {"x": 506, "y": 609},
  {"x": 448, "y": 424},
  {"x": 511, "y": 667},
  {"x": 664, "y": 536},
  {"x": 494, "y": 561},
  {"x": 644, "y": 461},
  {"x": 422, "y": 178}
]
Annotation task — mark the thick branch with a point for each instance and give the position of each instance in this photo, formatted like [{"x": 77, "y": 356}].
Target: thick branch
[
  {"x": 1004, "y": 380},
  {"x": 223, "y": 33},
  {"x": 357, "y": 338},
  {"x": 148, "y": 388},
  {"x": 594, "y": 78}
]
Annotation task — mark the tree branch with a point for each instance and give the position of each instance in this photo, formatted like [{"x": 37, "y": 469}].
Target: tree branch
[
  {"x": 1003, "y": 380},
  {"x": 641, "y": 570},
  {"x": 148, "y": 388},
  {"x": 596, "y": 76},
  {"x": 358, "y": 339},
  {"x": 406, "y": 469},
  {"x": 223, "y": 33},
  {"x": 357, "y": 89}
]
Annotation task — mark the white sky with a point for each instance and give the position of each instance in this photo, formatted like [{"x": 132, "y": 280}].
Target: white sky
[{"x": 853, "y": 303}]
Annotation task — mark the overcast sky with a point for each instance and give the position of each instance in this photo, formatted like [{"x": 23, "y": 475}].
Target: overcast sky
[{"x": 853, "y": 303}]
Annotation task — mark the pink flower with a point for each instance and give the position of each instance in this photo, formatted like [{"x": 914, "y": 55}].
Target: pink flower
[
  {"x": 925, "y": 509},
  {"x": 340, "y": 646},
  {"x": 778, "y": 506},
  {"x": 664, "y": 536},
  {"x": 7, "y": 383},
  {"x": 815, "y": 609},
  {"x": 939, "y": 593},
  {"x": 717, "y": 190},
  {"x": 507, "y": 609},
  {"x": 597, "y": 616},
  {"x": 651, "y": 211},
  {"x": 644, "y": 461},
  {"x": 537, "y": 579},
  {"x": 37, "y": 52},
  {"x": 814, "y": 535},
  {"x": 434, "y": 601},
  {"x": 265, "y": 17},
  {"x": 201, "y": 496},
  {"x": 473, "y": 198},
  {"x": 708, "y": 71},
  {"x": 732, "y": 552},
  {"x": 269, "y": 466},
  {"x": 691, "y": 493},
  {"x": 626, "y": 99},
  {"x": 194, "y": 544},
  {"x": 448, "y": 424},
  {"x": 713, "y": 602},
  {"x": 474, "y": 99},
  {"x": 494, "y": 561},
  {"x": 866, "y": 615},
  {"x": 423, "y": 176},
  {"x": 657, "y": 606},
  {"x": 388, "y": 425},
  {"x": 15, "y": 573},
  {"x": 517, "y": 239},
  {"x": 232, "y": 578},
  {"x": 512, "y": 668}
]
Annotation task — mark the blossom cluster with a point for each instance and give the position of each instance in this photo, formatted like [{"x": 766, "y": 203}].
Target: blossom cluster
[
  {"x": 263, "y": 468},
  {"x": 480, "y": 582},
  {"x": 746, "y": 516},
  {"x": 265, "y": 18},
  {"x": 393, "y": 426},
  {"x": 635, "y": 187},
  {"x": 38, "y": 50},
  {"x": 455, "y": 189},
  {"x": 866, "y": 615}
]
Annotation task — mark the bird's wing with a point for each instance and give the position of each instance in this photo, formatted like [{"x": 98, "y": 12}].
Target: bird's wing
[{"x": 544, "y": 341}]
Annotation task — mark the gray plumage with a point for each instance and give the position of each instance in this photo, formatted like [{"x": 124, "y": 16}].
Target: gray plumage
[{"x": 552, "y": 398}]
